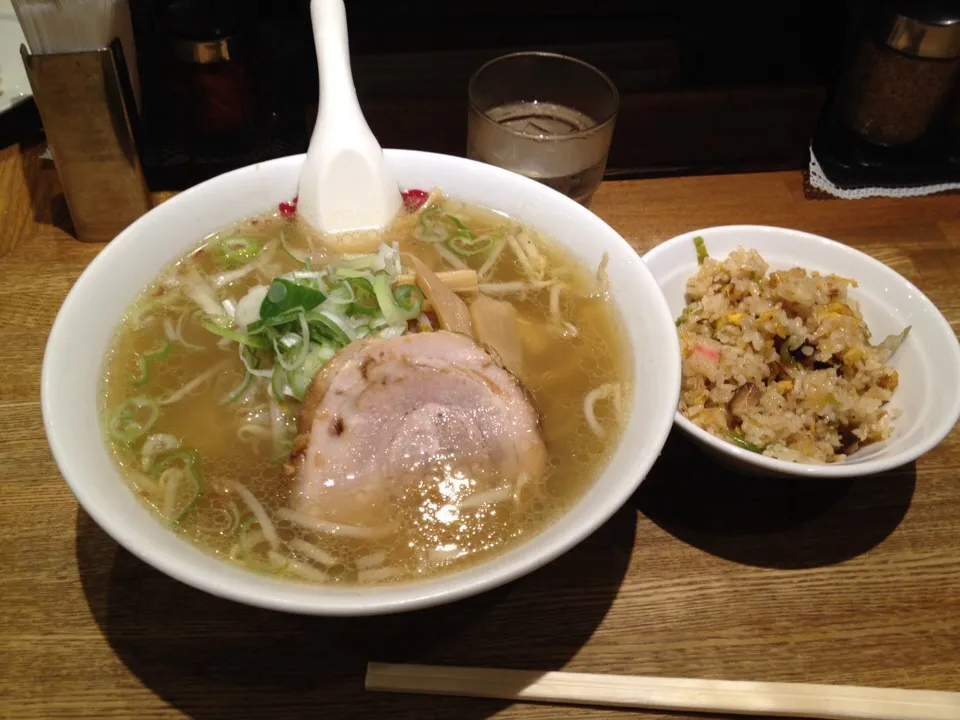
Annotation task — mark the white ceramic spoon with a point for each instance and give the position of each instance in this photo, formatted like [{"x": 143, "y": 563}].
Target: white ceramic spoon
[{"x": 345, "y": 183}]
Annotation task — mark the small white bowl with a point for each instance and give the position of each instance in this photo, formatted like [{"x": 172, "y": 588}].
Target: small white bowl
[
  {"x": 84, "y": 327},
  {"x": 928, "y": 363}
]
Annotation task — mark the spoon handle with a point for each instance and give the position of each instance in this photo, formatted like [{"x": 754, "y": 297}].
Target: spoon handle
[
  {"x": 338, "y": 96},
  {"x": 346, "y": 184}
]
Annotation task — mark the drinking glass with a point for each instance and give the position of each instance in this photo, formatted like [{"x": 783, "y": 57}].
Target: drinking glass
[{"x": 546, "y": 116}]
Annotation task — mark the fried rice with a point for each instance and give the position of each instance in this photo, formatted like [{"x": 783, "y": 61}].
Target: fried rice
[{"x": 782, "y": 364}]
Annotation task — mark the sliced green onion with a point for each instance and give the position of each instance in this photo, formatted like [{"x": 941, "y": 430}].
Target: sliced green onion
[
  {"x": 191, "y": 462},
  {"x": 158, "y": 353},
  {"x": 357, "y": 261},
  {"x": 286, "y": 248},
  {"x": 365, "y": 300},
  {"x": 326, "y": 326},
  {"x": 736, "y": 437},
  {"x": 248, "y": 339},
  {"x": 133, "y": 418},
  {"x": 278, "y": 381},
  {"x": 409, "y": 299},
  {"x": 346, "y": 272},
  {"x": 297, "y": 351},
  {"x": 786, "y": 357},
  {"x": 231, "y": 513},
  {"x": 342, "y": 293},
  {"x": 317, "y": 357},
  {"x": 238, "y": 391},
  {"x": 388, "y": 305},
  {"x": 461, "y": 228},
  {"x": 276, "y": 320},
  {"x": 467, "y": 245},
  {"x": 701, "y": 247},
  {"x": 234, "y": 252},
  {"x": 427, "y": 229}
]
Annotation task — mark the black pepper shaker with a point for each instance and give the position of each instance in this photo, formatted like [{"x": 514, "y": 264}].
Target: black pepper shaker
[
  {"x": 905, "y": 67},
  {"x": 209, "y": 72}
]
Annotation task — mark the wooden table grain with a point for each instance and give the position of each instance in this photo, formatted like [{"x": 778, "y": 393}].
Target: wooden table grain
[{"x": 702, "y": 574}]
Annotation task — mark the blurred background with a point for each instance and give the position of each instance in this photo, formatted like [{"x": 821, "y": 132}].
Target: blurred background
[{"x": 705, "y": 86}]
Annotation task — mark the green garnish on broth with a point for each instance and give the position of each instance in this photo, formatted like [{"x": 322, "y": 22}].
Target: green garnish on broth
[
  {"x": 286, "y": 296},
  {"x": 324, "y": 326},
  {"x": 132, "y": 419},
  {"x": 231, "y": 253},
  {"x": 465, "y": 246},
  {"x": 238, "y": 391},
  {"x": 191, "y": 470},
  {"x": 160, "y": 352},
  {"x": 461, "y": 228},
  {"x": 218, "y": 328},
  {"x": 317, "y": 356},
  {"x": 364, "y": 300}
]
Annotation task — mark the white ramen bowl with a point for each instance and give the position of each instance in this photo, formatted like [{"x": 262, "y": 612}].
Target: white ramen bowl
[
  {"x": 89, "y": 316},
  {"x": 928, "y": 362}
]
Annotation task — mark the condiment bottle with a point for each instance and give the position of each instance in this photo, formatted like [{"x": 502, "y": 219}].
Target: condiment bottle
[
  {"x": 904, "y": 69},
  {"x": 209, "y": 73}
]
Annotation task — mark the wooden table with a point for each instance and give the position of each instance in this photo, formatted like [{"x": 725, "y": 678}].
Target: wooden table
[{"x": 703, "y": 574}]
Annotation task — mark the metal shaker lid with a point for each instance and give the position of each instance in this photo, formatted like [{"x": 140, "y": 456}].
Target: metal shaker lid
[
  {"x": 923, "y": 28},
  {"x": 205, "y": 31}
]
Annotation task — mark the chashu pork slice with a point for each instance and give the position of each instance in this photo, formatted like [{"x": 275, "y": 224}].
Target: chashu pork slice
[{"x": 383, "y": 410}]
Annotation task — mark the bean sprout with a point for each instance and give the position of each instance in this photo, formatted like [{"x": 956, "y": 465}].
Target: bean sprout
[
  {"x": 491, "y": 259},
  {"x": 590, "y": 401},
  {"x": 603, "y": 280},
  {"x": 445, "y": 553},
  {"x": 569, "y": 328},
  {"x": 318, "y": 555},
  {"x": 170, "y": 482},
  {"x": 370, "y": 561},
  {"x": 179, "y": 329},
  {"x": 307, "y": 572},
  {"x": 377, "y": 574},
  {"x": 146, "y": 484},
  {"x": 332, "y": 528},
  {"x": 155, "y": 444},
  {"x": 526, "y": 252},
  {"x": 226, "y": 278},
  {"x": 486, "y": 497},
  {"x": 192, "y": 385},
  {"x": 522, "y": 480},
  {"x": 278, "y": 424},
  {"x": 450, "y": 257},
  {"x": 246, "y": 363},
  {"x": 269, "y": 531},
  {"x": 169, "y": 329}
]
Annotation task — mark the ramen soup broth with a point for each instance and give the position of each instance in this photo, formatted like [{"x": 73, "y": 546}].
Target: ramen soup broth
[{"x": 202, "y": 429}]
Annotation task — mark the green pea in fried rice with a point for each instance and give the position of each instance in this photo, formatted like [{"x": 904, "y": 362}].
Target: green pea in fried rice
[{"x": 782, "y": 364}]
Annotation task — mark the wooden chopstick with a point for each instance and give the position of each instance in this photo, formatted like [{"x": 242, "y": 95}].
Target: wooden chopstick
[{"x": 718, "y": 696}]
